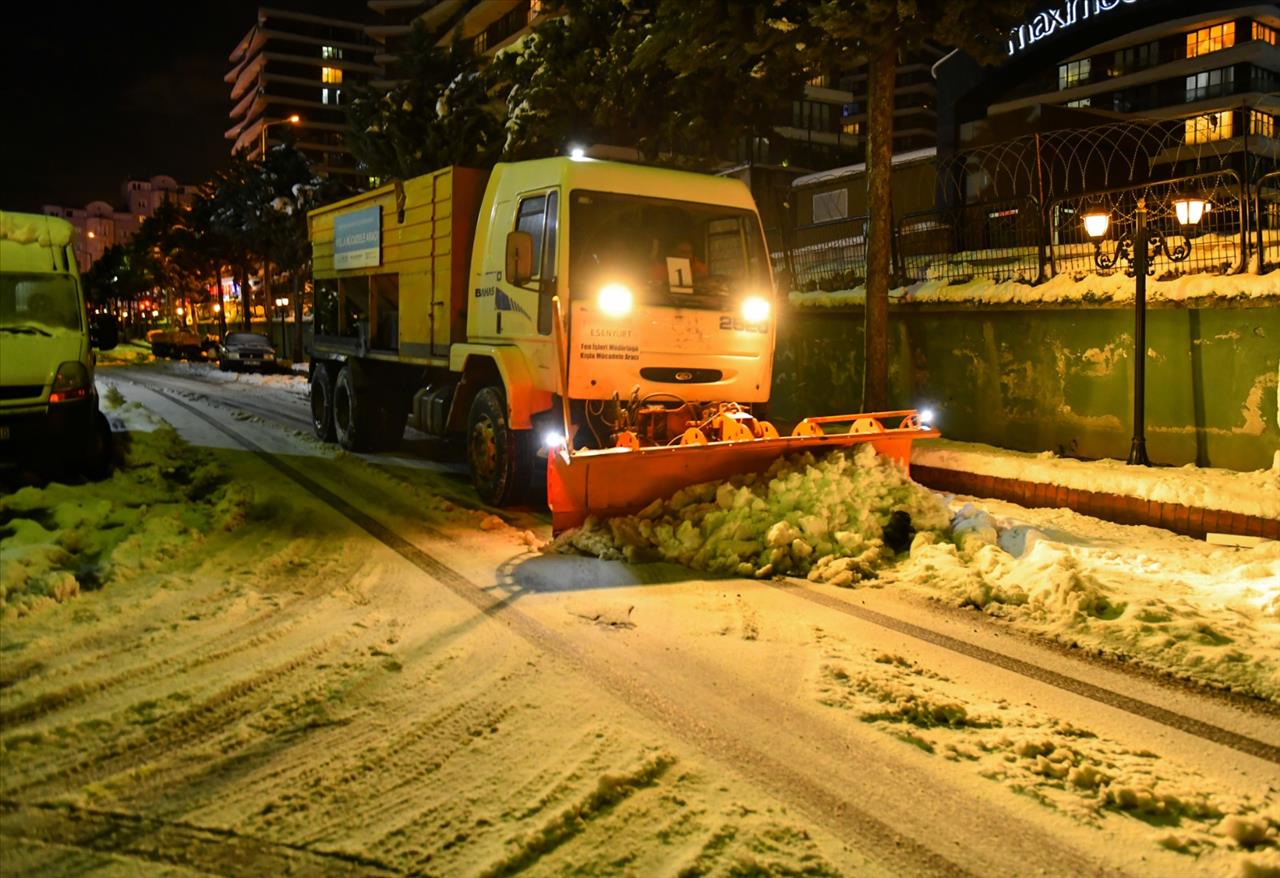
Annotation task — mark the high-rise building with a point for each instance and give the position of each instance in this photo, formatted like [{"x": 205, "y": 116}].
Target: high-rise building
[
  {"x": 297, "y": 64},
  {"x": 100, "y": 225}
]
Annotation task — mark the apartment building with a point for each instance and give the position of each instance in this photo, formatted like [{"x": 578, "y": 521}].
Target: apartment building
[
  {"x": 1213, "y": 66},
  {"x": 296, "y": 64},
  {"x": 100, "y": 225}
]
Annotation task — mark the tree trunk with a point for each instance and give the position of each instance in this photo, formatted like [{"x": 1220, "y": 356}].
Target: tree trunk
[
  {"x": 246, "y": 297},
  {"x": 222, "y": 306},
  {"x": 296, "y": 353},
  {"x": 881, "y": 70}
]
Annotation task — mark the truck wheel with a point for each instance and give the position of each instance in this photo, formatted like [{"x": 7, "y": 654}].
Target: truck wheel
[
  {"x": 498, "y": 456},
  {"x": 321, "y": 401},
  {"x": 356, "y": 414}
]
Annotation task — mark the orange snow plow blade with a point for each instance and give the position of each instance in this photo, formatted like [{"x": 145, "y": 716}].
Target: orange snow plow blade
[{"x": 621, "y": 481}]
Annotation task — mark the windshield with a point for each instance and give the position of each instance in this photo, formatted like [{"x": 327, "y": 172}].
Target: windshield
[
  {"x": 39, "y": 301},
  {"x": 668, "y": 252},
  {"x": 247, "y": 338}
]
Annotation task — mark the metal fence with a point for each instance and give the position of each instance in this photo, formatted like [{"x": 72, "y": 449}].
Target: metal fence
[
  {"x": 1015, "y": 240},
  {"x": 838, "y": 263},
  {"x": 1266, "y": 212},
  {"x": 1000, "y": 240},
  {"x": 1218, "y": 241},
  {"x": 1012, "y": 210}
]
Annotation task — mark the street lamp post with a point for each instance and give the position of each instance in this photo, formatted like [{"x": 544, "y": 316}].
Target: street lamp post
[
  {"x": 281, "y": 305},
  {"x": 1139, "y": 249},
  {"x": 293, "y": 119}
]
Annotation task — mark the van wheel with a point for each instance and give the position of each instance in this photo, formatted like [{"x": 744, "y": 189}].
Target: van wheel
[
  {"x": 97, "y": 463},
  {"x": 355, "y": 413},
  {"x": 498, "y": 456},
  {"x": 321, "y": 401}
]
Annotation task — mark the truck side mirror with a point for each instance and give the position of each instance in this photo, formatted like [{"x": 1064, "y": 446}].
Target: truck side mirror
[
  {"x": 519, "y": 258},
  {"x": 104, "y": 332}
]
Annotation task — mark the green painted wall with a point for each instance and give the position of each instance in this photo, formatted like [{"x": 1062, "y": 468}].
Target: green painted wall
[{"x": 1054, "y": 378}]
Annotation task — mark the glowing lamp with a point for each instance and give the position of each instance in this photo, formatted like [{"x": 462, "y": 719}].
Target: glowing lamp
[
  {"x": 615, "y": 300},
  {"x": 1096, "y": 224},
  {"x": 755, "y": 309},
  {"x": 1190, "y": 210}
]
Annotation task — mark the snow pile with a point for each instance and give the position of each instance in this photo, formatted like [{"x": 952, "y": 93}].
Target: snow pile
[
  {"x": 1207, "y": 613},
  {"x": 1252, "y": 493},
  {"x": 1080, "y": 287},
  {"x": 824, "y": 518},
  {"x": 59, "y": 539}
]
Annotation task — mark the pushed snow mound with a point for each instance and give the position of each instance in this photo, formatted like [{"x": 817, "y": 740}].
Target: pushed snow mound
[{"x": 821, "y": 517}]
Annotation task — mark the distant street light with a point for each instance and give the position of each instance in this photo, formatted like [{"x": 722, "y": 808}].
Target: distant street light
[
  {"x": 293, "y": 119},
  {"x": 1139, "y": 249}
]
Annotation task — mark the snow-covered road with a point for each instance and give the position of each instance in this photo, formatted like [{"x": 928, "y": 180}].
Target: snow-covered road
[{"x": 347, "y": 666}]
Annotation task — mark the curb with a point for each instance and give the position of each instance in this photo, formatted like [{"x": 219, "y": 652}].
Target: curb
[{"x": 1192, "y": 521}]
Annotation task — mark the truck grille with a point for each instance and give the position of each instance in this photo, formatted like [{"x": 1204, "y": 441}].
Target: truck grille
[
  {"x": 20, "y": 391},
  {"x": 681, "y": 376}
]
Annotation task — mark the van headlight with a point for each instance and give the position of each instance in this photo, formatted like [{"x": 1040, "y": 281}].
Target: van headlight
[
  {"x": 755, "y": 309},
  {"x": 615, "y": 299},
  {"x": 71, "y": 382}
]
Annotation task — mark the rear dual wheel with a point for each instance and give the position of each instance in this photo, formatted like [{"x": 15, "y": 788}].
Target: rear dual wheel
[{"x": 363, "y": 417}]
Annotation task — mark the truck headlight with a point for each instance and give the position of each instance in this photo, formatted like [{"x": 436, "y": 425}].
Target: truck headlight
[
  {"x": 614, "y": 300},
  {"x": 71, "y": 382},
  {"x": 755, "y": 309}
]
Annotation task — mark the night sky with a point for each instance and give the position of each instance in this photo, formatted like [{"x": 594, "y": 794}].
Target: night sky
[{"x": 97, "y": 93}]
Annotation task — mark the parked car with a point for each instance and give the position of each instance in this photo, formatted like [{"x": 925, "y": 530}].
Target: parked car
[
  {"x": 246, "y": 350},
  {"x": 175, "y": 342}
]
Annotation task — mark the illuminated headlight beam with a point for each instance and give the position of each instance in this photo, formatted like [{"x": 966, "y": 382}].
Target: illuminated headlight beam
[{"x": 755, "y": 309}]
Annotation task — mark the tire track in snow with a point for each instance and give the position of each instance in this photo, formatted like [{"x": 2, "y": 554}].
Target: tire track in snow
[
  {"x": 180, "y": 662},
  {"x": 147, "y": 840},
  {"x": 885, "y": 842},
  {"x": 1180, "y": 722},
  {"x": 167, "y": 734}
]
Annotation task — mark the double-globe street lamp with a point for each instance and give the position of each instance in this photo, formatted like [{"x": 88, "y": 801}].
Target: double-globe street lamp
[
  {"x": 293, "y": 119},
  {"x": 1139, "y": 249}
]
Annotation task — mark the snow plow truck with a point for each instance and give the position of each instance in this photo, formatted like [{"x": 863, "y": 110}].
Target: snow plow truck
[{"x": 598, "y": 333}]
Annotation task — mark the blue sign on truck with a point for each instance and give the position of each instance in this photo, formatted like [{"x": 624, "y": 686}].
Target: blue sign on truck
[{"x": 357, "y": 238}]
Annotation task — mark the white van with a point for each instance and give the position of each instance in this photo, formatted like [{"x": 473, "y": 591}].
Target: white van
[{"x": 48, "y": 403}]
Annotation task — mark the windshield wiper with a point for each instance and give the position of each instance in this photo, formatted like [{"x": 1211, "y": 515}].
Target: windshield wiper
[{"x": 27, "y": 329}]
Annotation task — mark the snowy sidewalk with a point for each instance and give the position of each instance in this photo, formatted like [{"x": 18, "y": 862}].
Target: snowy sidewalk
[{"x": 1187, "y": 500}]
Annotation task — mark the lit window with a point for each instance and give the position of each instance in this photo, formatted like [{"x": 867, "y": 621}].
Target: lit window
[
  {"x": 1211, "y": 39},
  {"x": 330, "y": 52},
  {"x": 853, "y": 129},
  {"x": 331, "y": 75},
  {"x": 535, "y": 9},
  {"x": 1214, "y": 126},
  {"x": 324, "y": 95},
  {"x": 482, "y": 42},
  {"x": 1081, "y": 102},
  {"x": 1262, "y": 124},
  {"x": 1073, "y": 73},
  {"x": 1264, "y": 33},
  {"x": 821, "y": 80},
  {"x": 1210, "y": 83}
]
